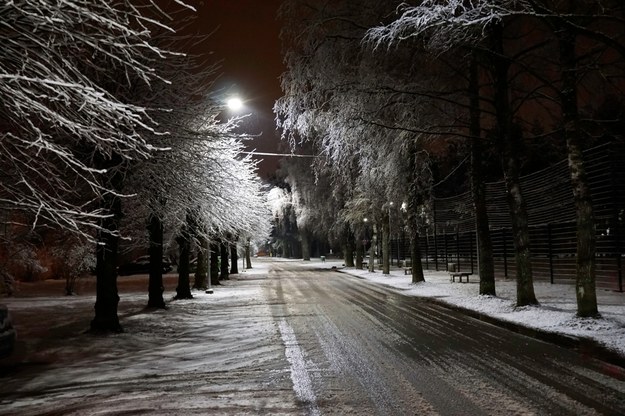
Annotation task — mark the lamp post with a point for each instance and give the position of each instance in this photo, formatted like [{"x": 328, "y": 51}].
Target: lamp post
[
  {"x": 371, "y": 265},
  {"x": 364, "y": 242},
  {"x": 209, "y": 288},
  {"x": 403, "y": 208},
  {"x": 390, "y": 206}
]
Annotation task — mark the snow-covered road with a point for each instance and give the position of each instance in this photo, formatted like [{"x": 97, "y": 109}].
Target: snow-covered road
[
  {"x": 286, "y": 338},
  {"x": 369, "y": 350}
]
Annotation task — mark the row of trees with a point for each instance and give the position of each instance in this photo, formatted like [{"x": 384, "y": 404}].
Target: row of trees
[
  {"x": 391, "y": 108},
  {"x": 110, "y": 126}
]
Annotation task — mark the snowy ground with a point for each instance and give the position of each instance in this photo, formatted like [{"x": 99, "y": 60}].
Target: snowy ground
[
  {"x": 556, "y": 312},
  {"x": 218, "y": 353}
]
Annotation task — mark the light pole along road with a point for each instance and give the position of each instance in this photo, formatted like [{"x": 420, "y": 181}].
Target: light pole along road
[{"x": 357, "y": 348}]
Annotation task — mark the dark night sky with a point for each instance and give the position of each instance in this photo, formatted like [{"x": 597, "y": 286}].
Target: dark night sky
[{"x": 246, "y": 40}]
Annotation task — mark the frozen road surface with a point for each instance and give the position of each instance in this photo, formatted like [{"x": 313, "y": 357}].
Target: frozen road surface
[{"x": 294, "y": 340}]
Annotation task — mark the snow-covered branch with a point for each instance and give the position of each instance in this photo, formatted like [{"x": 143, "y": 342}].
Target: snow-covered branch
[
  {"x": 444, "y": 23},
  {"x": 65, "y": 69}
]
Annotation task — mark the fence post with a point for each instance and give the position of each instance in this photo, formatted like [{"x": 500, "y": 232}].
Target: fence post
[
  {"x": 435, "y": 249},
  {"x": 615, "y": 213},
  {"x": 619, "y": 260},
  {"x": 550, "y": 252},
  {"x": 458, "y": 268},
  {"x": 471, "y": 249},
  {"x": 403, "y": 245},
  {"x": 446, "y": 249},
  {"x": 427, "y": 250},
  {"x": 505, "y": 253}
]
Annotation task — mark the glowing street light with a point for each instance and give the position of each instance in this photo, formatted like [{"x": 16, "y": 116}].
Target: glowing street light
[{"x": 234, "y": 103}]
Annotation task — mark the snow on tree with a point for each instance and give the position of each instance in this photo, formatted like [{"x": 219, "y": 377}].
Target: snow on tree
[
  {"x": 581, "y": 34},
  {"x": 18, "y": 258},
  {"x": 74, "y": 257},
  {"x": 278, "y": 200},
  {"x": 443, "y": 25},
  {"x": 203, "y": 179},
  {"x": 284, "y": 221},
  {"x": 61, "y": 65},
  {"x": 353, "y": 106},
  {"x": 446, "y": 54}
]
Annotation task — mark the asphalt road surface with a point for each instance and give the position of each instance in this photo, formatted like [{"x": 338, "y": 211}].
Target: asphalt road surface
[{"x": 357, "y": 348}]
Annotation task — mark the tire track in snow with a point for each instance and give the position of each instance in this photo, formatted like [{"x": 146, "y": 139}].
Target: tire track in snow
[{"x": 299, "y": 375}]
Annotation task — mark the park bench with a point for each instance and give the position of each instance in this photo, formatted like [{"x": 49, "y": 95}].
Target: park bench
[
  {"x": 454, "y": 271},
  {"x": 407, "y": 270},
  {"x": 459, "y": 275}
]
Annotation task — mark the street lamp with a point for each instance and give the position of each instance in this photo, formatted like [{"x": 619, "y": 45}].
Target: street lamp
[
  {"x": 234, "y": 103},
  {"x": 367, "y": 239},
  {"x": 404, "y": 209},
  {"x": 209, "y": 288},
  {"x": 390, "y": 205}
]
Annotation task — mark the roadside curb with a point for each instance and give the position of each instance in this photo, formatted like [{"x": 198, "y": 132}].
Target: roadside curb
[
  {"x": 586, "y": 346},
  {"x": 583, "y": 345}
]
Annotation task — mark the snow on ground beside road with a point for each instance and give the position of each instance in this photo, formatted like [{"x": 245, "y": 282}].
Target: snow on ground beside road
[
  {"x": 219, "y": 352},
  {"x": 556, "y": 312}
]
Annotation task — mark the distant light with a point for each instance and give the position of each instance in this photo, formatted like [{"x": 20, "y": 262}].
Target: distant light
[
  {"x": 235, "y": 103},
  {"x": 366, "y": 219}
]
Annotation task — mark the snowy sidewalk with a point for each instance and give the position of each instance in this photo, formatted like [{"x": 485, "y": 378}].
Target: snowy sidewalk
[
  {"x": 555, "y": 314},
  {"x": 217, "y": 353}
]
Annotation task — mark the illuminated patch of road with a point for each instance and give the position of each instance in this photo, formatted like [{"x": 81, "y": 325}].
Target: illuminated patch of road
[{"x": 301, "y": 380}]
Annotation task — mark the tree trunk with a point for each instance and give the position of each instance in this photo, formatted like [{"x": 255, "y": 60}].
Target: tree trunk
[
  {"x": 348, "y": 255},
  {"x": 248, "y": 256},
  {"x": 372, "y": 251},
  {"x": 70, "y": 284},
  {"x": 415, "y": 259},
  {"x": 305, "y": 245},
  {"x": 107, "y": 297},
  {"x": 520, "y": 231},
  {"x": 586, "y": 227},
  {"x": 486, "y": 264},
  {"x": 183, "y": 290},
  {"x": 386, "y": 246},
  {"x": 224, "y": 249},
  {"x": 201, "y": 265},
  {"x": 510, "y": 142},
  {"x": 359, "y": 254},
  {"x": 234, "y": 259},
  {"x": 155, "y": 250},
  {"x": 349, "y": 252},
  {"x": 214, "y": 263}
]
